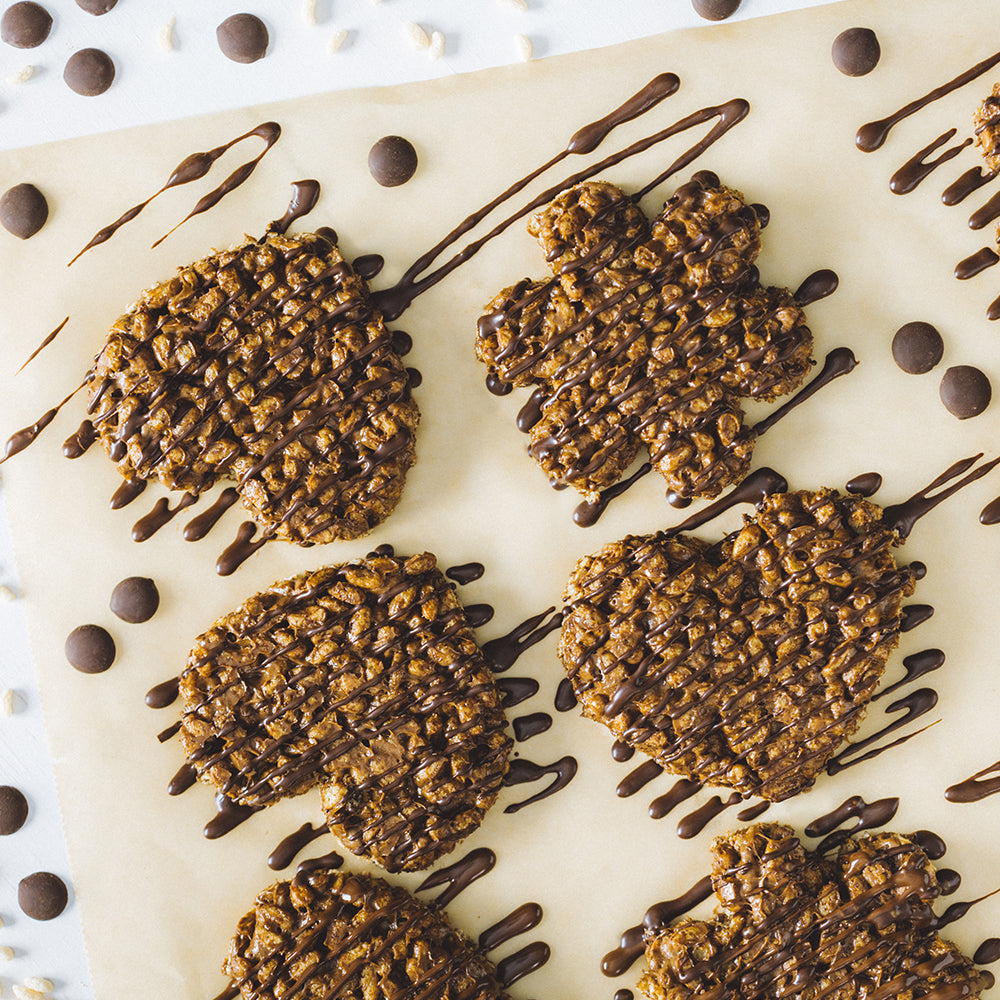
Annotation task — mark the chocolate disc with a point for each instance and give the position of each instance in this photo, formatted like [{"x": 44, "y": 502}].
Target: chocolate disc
[
  {"x": 23, "y": 210},
  {"x": 856, "y": 51},
  {"x": 135, "y": 599},
  {"x": 96, "y": 7},
  {"x": 89, "y": 72},
  {"x": 90, "y": 649},
  {"x": 965, "y": 391},
  {"x": 917, "y": 347},
  {"x": 243, "y": 38},
  {"x": 715, "y": 10},
  {"x": 25, "y": 25},
  {"x": 13, "y": 810},
  {"x": 392, "y": 160},
  {"x": 42, "y": 896}
]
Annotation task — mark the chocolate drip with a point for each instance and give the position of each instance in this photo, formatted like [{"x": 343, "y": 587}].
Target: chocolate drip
[
  {"x": 760, "y": 484},
  {"x": 692, "y": 824},
  {"x": 624, "y": 995},
  {"x": 161, "y": 515},
  {"x": 966, "y": 184},
  {"x": 588, "y": 512},
  {"x": 873, "y": 135},
  {"x": 638, "y": 778},
  {"x": 198, "y": 527},
  {"x": 164, "y": 694},
  {"x": 916, "y": 665},
  {"x": 658, "y": 916},
  {"x": 20, "y": 440},
  {"x": 240, "y": 549},
  {"x": 459, "y": 875},
  {"x": 565, "y": 699},
  {"x": 914, "y": 705},
  {"x": 193, "y": 168},
  {"x": 228, "y": 816},
  {"x": 479, "y": 614},
  {"x": 514, "y": 690},
  {"x": 284, "y": 854},
  {"x": 324, "y": 862},
  {"x": 41, "y": 347},
  {"x": 865, "y": 485},
  {"x": 76, "y": 444},
  {"x": 914, "y": 615},
  {"x": 503, "y": 651},
  {"x": 869, "y": 815},
  {"x": 751, "y": 813},
  {"x": 911, "y": 173},
  {"x": 529, "y": 959},
  {"x": 526, "y": 726},
  {"x": 525, "y": 918},
  {"x": 682, "y": 790},
  {"x": 130, "y": 490},
  {"x": 521, "y": 770},
  {"x": 169, "y": 733},
  {"x": 990, "y": 514},
  {"x": 817, "y": 286},
  {"x": 184, "y": 779},
  {"x": 979, "y": 786},
  {"x": 988, "y": 952},
  {"x": 621, "y": 752},
  {"x": 305, "y": 194},
  {"x": 988, "y": 213},
  {"x": 930, "y": 843},
  {"x": 368, "y": 265},
  {"x": 975, "y": 264},
  {"x": 838, "y": 362},
  {"x": 902, "y": 517},
  {"x": 948, "y": 880},
  {"x": 465, "y": 573}
]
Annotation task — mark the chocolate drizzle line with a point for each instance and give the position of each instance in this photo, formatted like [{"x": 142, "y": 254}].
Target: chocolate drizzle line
[
  {"x": 990, "y": 514},
  {"x": 979, "y": 786},
  {"x": 41, "y": 347},
  {"x": 869, "y": 815},
  {"x": 865, "y": 485},
  {"x": 503, "y": 651},
  {"x": 305, "y": 194},
  {"x": 525, "y": 918},
  {"x": 514, "y": 690},
  {"x": 283, "y": 855},
  {"x": 976, "y": 263},
  {"x": 911, "y": 173},
  {"x": 916, "y": 665},
  {"x": 459, "y": 875},
  {"x": 521, "y": 770},
  {"x": 565, "y": 699},
  {"x": 193, "y": 168},
  {"x": 987, "y": 213},
  {"x": 530, "y": 958},
  {"x": 960, "y": 189}
]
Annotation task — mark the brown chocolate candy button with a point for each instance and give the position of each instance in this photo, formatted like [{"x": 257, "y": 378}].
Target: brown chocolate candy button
[
  {"x": 96, "y": 7},
  {"x": 23, "y": 210},
  {"x": 965, "y": 391},
  {"x": 715, "y": 10},
  {"x": 13, "y": 810},
  {"x": 25, "y": 25},
  {"x": 89, "y": 72},
  {"x": 856, "y": 51},
  {"x": 135, "y": 599},
  {"x": 243, "y": 38},
  {"x": 42, "y": 896},
  {"x": 917, "y": 347},
  {"x": 392, "y": 160},
  {"x": 90, "y": 649}
]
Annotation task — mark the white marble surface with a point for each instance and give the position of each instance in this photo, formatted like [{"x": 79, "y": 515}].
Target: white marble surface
[{"x": 154, "y": 84}]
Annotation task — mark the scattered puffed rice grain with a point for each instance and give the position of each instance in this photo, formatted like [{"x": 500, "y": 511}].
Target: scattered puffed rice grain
[
  {"x": 39, "y": 983},
  {"x": 7, "y": 703},
  {"x": 6, "y": 594},
  {"x": 165, "y": 36},
  {"x": 1, "y": 922},
  {"x": 6, "y": 953},
  {"x": 523, "y": 43},
  {"x": 23, "y": 75},
  {"x": 418, "y": 37},
  {"x": 436, "y": 48},
  {"x": 518, "y": 5},
  {"x": 309, "y": 12},
  {"x": 337, "y": 40},
  {"x": 23, "y": 993}
]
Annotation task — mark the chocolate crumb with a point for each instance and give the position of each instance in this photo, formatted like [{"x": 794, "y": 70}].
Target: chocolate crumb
[
  {"x": 856, "y": 51},
  {"x": 13, "y": 810},
  {"x": 42, "y": 896},
  {"x": 135, "y": 599},
  {"x": 23, "y": 210},
  {"x": 715, "y": 10},
  {"x": 965, "y": 391},
  {"x": 89, "y": 72},
  {"x": 243, "y": 38},
  {"x": 96, "y": 7},
  {"x": 90, "y": 649},
  {"x": 917, "y": 347},
  {"x": 25, "y": 25},
  {"x": 392, "y": 160}
]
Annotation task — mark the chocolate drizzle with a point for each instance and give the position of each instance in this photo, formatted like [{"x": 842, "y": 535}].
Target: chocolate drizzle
[
  {"x": 305, "y": 194},
  {"x": 198, "y": 527},
  {"x": 526, "y": 726},
  {"x": 979, "y": 786},
  {"x": 987, "y": 213},
  {"x": 960, "y": 189},
  {"x": 865, "y": 485},
  {"x": 41, "y": 347},
  {"x": 283, "y": 855},
  {"x": 161, "y": 515},
  {"x": 525, "y": 918},
  {"x": 911, "y": 173},
  {"x": 816, "y": 286},
  {"x": 869, "y": 815},
  {"x": 696, "y": 821},
  {"x": 503, "y": 651},
  {"x": 465, "y": 573},
  {"x": 459, "y": 875},
  {"x": 530, "y": 958},
  {"x": 563, "y": 771},
  {"x": 975, "y": 263}
]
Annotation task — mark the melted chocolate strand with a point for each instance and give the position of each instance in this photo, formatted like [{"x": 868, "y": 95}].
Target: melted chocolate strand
[
  {"x": 751, "y": 813},
  {"x": 873, "y": 135},
  {"x": 521, "y": 770},
  {"x": 526, "y": 726},
  {"x": 193, "y": 168},
  {"x": 914, "y": 615},
  {"x": 41, "y": 347},
  {"x": 565, "y": 699},
  {"x": 988, "y": 952},
  {"x": 529, "y": 959},
  {"x": 817, "y": 286},
  {"x": 76, "y": 444},
  {"x": 458, "y": 876},
  {"x": 465, "y": 573},
  {"x": 755, "y": 487},
  {"x": 621, "y": 751},
  {"x": 692, "y": 824},
  {"x": 869, "y": 815},
  {"x": 916, "y": 666},
  {"x": 911, "y": 173},
  {"x": 514, "y": 690},
  {"x": 305, "y": 194},
  {"x": 161, "y": 514},
  {"x": 975, "y": 263},
  {"x": 966, "y": 184},
  {"x": 838, "y": 362},
  {"x": 284, "y": 854},
  {"x": 588, "y": 512},
  {"x": 638, "y": 778},
  {"x": 990, "y": 514},
  {"x": 198, "y": 527},
  {"x": 306, "y": 868},
  {"x": 503, "y": 651},
  {"x": 20, "y": 440},
  {"x": 164, "y": 694},
  {"x": 988, "y": 213},
  {"x": 368, "y": 265},
  {"x": 979, "y": 786},
  {"x": 525, "y": 918},
  {"x": 682, "y": 790},
  {"x": 865, "y": 485}
]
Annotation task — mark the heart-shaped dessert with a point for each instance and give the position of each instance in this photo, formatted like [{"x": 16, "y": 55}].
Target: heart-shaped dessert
[
  {"x": 339, "y": 935},
  {"x": 646, "y": 334},
  {"x": 268, "y": 365},
  {"x": 745, "y": 663},
  {"x": 798, "y": 924},
  {"x": 366, "y": 680}
]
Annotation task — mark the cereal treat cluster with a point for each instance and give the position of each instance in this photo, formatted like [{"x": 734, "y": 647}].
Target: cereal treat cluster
[
  {"x": 646, "y": 334},
  {"x": 795, "y": 924},
  {"x": 746, "y": 663},
  {"x": 267, "y": 365},
  {"x": 363, "y": 679},
  {"x": 352, "y": 936},
  {"x": 987, "y": 125}
]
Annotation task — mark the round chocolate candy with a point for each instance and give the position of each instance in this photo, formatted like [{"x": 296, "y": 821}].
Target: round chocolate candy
[
  {"x": 243, "y": 38},
  {"x": 42, "y": 896},
  {"x": 96, "y": 7},
  {"x": 25, "y": 25},
  {"x": 715, "y": 10},
  {"x": 135, "y": 599},
  {"x": 965, "y": 391},
  {"x": 13, "y": 810},
  {"x": 392, "y": 160},
  {"x": 89, "y": 72},
  {"x": 90, "y": 649},
  {"x": 856, "y": 51},
  {"x": 917, "y": 347},
  {"x": 23, "y": 210}
]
